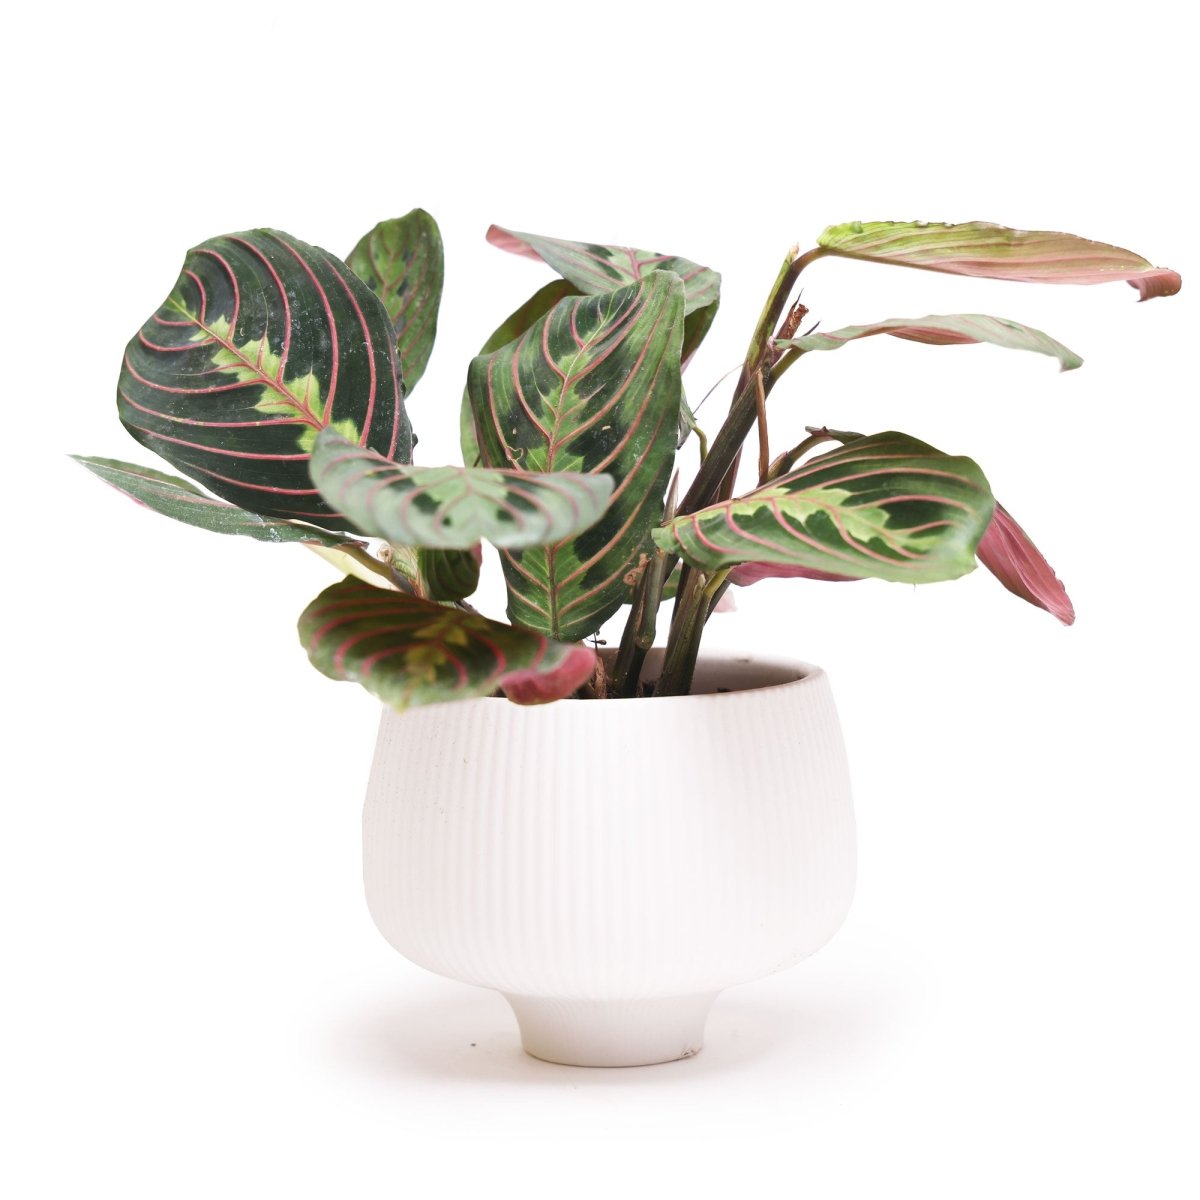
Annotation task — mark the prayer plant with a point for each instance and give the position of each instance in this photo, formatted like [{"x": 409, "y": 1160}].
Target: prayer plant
[{"x": 275, "y": 374}]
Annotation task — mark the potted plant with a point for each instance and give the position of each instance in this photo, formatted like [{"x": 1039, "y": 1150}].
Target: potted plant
[{"x": 712, "y": 840}]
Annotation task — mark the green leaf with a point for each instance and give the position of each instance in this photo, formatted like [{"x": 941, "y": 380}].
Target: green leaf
[
  {"x": 995, "y": 252},
  {"x": 883, "y": 507},
  {"x": 454, "y": 508},
  {"x": 536, "y": 307},
  {"x": 401, "y": 261},
  {"x": 592, "y": 387},
  {"x": 264, "y": 342},
  {"x": 959, "y": 329},
  {"x": 176, "y": 498},
  {"x": 448, "y": 574},
  {"x": 409, "y": 651},
  {"x": 595, "y": 270}
]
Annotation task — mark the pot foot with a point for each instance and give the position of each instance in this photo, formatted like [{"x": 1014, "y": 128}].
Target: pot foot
[{"x": 612, "y": 1033}]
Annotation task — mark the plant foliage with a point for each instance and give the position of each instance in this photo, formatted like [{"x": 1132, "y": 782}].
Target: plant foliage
[{"x": 275, "y": 376}]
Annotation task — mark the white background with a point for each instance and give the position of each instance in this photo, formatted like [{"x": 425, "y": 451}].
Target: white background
[{"x": 197, "y": 1004}]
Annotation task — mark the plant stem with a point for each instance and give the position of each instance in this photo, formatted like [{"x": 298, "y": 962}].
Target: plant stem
[
  {"x": 784, "y": 463},
  {"x": 641, "y": 626},
  {"x": 683, "y": 645},
  {"x": 744, "y": 409},
  {"x": 716, "y": 475}
]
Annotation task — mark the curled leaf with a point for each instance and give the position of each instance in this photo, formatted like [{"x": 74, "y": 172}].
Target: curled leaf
[
  {"x": 449, "y": 574},
  {"x": 957, "y": 329},
  {"x": 1007, "y": 552},
  {"x": 990, "y": 251}
]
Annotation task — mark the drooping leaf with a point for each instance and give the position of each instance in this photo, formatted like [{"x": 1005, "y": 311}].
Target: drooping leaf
[
  {"x": 449, "y": 574},
  {"x": 409, "y": 651},
  {"x": 883, "y": 507},
  {"x": 401, "y": 261},
  {"x": 956, "y": 329},
  {"x": 536, "y": 307},
  {"x": 597, "y": 269},
  {"x": 176, "y": 498},
  {"x": 996, "y": 252},
  {"x": 264, "y": 342},
  {"x": 593, "y": 387},
  {"x": 1008, "y": 553},
  {"x": 454, "y": 508}
]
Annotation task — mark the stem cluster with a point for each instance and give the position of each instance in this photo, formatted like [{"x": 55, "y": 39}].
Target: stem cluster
[{"x": 699, "y": 591}]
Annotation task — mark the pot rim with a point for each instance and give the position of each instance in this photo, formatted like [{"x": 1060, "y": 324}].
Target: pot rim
[{"x": 782, "y": 671}]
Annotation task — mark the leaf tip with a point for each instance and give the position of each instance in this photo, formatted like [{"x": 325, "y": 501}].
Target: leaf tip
[
  {"x": 505, "y": 239},
  {"x": 1159, "y": 282},
  {"x": 533, "y": 686}
]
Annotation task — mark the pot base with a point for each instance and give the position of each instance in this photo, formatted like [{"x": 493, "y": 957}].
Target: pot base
[{"x": 612, "y": 1033}]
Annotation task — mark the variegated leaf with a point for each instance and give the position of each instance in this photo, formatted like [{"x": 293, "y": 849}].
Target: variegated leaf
[
  {"x": 536, "y": 307},
  {"x": 592, "y": 387},
  {"x": 176, "y": 498},
  {"x": 454, "y": 508},
  {"x": 957, "y": 329},
  {"x": 996, "y": 252},
  {"x": 409, "y": 651},
  {"x": 401, "y": 261},
  {"x": 883, "y": 507},
  {"x": 597, "y": 269},
  {"x": 264, "y": 342}
]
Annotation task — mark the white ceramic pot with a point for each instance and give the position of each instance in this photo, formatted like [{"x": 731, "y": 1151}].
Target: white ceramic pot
[{"x": 610, "y": 866}]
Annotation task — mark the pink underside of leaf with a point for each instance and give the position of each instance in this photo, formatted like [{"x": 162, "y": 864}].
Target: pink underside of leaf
[
  {"x": 531, "y": 686},
  {"x": 503, "y": 240},
  {"x": 931, "y": 337},
  {"x": 1006, "y": 551},
  {"x": 745, "y": 574},
  {"x": 1159, "y": 282}
]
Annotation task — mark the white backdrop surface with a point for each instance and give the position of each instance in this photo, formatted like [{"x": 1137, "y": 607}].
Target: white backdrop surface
[{"x": 196, "y": 1003}]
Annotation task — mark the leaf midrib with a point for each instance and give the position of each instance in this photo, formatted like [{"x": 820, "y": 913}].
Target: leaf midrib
[{"x": 306, "y": 414}]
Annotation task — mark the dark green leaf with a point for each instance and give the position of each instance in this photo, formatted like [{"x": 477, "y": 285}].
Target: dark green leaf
[
  {"x": 592, "y": 387},
  {"x": 448, "y": 574},
  {"x": 264, "y": 342},
  {"x": 883, "y": 507},
  {"x": 409, "y": 651},
  {"x": 536, "y": 307},
  {"x": 401, "y": 261},
  {"x": 175, "y": 497}
]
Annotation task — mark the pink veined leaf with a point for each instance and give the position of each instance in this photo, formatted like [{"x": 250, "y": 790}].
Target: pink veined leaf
[
  {"x": 409, "y": 651},
  {"x": 531, "y": 686},
  {"x": 747, "y": 573},
  {"x": 1006, "y": 551},
  {"x": 990, "y": 251}
]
